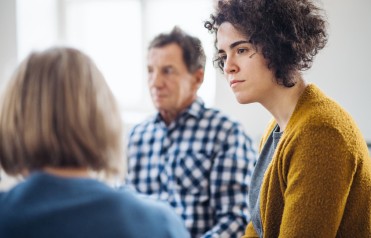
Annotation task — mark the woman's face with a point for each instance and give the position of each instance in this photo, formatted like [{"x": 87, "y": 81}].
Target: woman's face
[{"x": 244, "y": 66}]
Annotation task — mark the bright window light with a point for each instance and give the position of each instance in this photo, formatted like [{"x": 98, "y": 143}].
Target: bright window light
[
  {"x": 110, "y": 32},
  {"x": 116, "y": 33}
]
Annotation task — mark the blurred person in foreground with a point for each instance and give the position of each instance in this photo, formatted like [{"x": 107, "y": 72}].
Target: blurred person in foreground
[
  {"x": 193, "y": 157},
  {"x": 313, "y": 175},
  {"x": 60, "y": 128}
]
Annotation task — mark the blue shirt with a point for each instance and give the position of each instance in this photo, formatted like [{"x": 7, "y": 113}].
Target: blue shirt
[
  {"x": 45, "y": 206},
  {"x": 201, "y": 164}
]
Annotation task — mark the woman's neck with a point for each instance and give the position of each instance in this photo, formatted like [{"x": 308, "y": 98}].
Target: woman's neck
[
  {"x": 68, "y": 172},
  {"x": 284, "y": 102}
]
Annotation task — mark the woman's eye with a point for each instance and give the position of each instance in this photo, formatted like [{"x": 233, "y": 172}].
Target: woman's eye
[
  {"x": 242, "y": 50},
  {"x": 220, "y": 61}
]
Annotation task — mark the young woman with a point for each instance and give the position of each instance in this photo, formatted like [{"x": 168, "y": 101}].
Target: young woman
[
  {"x": 313, "y": 176},
  {"x": 59, "y": 123}
]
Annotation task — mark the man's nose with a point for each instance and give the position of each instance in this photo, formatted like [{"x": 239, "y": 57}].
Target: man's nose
[{"x": 155, "y": 79}]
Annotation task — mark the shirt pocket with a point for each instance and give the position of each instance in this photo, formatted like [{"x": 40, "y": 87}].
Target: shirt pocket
[{"x": 192, "y": 173}]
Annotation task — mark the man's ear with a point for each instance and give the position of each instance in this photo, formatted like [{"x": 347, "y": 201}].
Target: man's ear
[{"x": 199, "y": 76}]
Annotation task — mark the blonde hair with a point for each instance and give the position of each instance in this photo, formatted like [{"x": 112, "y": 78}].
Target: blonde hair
[{"x": 58, "y": 111}]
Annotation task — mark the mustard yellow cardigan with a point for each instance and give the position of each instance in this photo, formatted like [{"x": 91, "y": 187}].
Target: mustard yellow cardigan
[{"x": 319, "y": 181}]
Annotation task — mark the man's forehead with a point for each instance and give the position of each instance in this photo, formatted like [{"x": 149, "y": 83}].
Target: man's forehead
[
  {"x": 167, "y": 50},
  {"x": 164, "y": 56}
]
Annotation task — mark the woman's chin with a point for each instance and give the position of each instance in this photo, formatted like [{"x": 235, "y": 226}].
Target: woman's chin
[{"x": 242, "y": 100}]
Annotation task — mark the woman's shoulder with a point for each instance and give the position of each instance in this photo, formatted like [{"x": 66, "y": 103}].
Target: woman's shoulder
[
  {"x": 317, "y": 110},
  {"x": 158, "y": 216},
  {"x": 319, "y": 120},
  {"x": 140, "y": 203}
]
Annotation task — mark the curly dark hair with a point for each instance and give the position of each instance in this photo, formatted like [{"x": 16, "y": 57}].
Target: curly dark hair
[
  {"x": 193, "y": 53},
  {"x": 289, "y": 32}
]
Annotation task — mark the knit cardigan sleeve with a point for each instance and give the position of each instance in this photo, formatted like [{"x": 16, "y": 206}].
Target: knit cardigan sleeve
[{"x": 316, "y": 175}]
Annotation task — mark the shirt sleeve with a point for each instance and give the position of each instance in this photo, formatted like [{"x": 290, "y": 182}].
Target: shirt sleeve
[{"x": 229, "y": 181}]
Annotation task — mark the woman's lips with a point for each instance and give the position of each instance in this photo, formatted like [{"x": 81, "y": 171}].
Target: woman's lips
[{"x": 235, "y": 82}]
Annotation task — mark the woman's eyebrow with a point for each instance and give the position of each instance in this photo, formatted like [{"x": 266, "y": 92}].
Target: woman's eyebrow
[{"x": 234, "y": 44}]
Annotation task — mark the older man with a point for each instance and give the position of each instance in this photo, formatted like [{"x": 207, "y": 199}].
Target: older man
[{"x": 193, "y": 157}]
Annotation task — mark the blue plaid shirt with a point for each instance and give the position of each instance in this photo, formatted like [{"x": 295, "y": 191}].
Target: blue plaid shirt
[{"x": 201, "y": 164}]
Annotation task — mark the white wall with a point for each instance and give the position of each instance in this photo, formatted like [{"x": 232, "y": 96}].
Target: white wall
[
  {"x": 342, "y": 69},
  {"x": 8, "y": 57},
  {"x": 8, "y": 39}
]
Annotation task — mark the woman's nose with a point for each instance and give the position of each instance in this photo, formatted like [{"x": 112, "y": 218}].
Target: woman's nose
[{"x": 230, "y": 66}]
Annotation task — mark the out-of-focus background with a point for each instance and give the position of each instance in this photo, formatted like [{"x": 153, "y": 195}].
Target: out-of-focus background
[{"x": 115, "y": 33}]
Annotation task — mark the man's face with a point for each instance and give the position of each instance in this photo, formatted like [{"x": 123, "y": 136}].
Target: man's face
[{"x": 172, "y": 87}]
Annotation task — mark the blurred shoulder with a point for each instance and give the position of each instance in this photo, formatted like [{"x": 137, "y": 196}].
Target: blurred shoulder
[
  {"x": 158, "y": 216},
  {"x": 218, "y": 117},
  {"x": 146, "y": 124}
]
